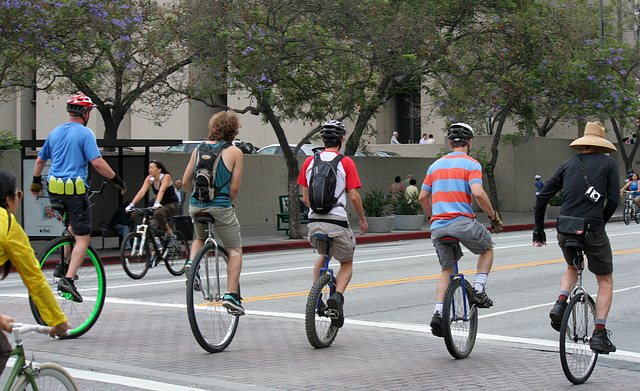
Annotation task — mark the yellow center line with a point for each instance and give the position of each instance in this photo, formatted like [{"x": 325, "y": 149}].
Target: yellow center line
[{"x": 420, "y": 278}]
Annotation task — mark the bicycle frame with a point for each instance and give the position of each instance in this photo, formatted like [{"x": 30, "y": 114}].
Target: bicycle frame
[
  {"x": 19, "y": 367},
  {"x": 211, "y": 240},
  {"x": 464, "y": 290},
  {"x": 143, "y": 229}
]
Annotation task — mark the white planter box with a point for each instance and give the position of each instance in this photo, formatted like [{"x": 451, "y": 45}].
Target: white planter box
[{"x": 408, "y": 222}]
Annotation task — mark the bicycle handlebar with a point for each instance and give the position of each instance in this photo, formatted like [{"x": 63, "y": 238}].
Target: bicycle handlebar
[{"x": 38, "y": 328}]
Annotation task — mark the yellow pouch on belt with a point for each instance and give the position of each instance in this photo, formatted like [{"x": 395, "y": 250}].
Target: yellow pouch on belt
[
  {"x": 53, "y": 184},
  {"x": 69, "y": 187},
  {"x": 80, "y": 187}
]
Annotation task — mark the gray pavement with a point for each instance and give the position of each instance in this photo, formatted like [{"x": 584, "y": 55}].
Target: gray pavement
[{"x": 272, "y": 353}]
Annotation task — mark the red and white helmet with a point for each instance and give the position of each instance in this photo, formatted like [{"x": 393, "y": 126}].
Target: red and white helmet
[{"x": 79, "y": 104}]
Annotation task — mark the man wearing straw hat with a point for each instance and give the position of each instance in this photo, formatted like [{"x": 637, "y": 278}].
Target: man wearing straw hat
[{"x": 587, "y": 180}]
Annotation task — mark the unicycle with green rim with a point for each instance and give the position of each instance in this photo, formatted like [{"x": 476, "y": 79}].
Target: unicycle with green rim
[
  {"x": 90, "y": 279},
  {"x": 317, "y": 317},
  {"x": 577, "y": 326},
  {"x": 460, "y": 317}
]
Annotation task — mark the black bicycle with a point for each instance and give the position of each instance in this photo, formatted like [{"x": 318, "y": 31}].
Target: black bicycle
[
  {"x": 578, "y": 323},
  {"x": 135, "y": 253},
  {"x": 90, "y": 279},
  {"x": 631, "y": 209}
]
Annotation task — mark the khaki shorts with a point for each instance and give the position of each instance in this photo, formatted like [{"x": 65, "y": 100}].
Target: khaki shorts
[
  {"x": 226, "y": 225},
  {"x": 344, "y": 243}
]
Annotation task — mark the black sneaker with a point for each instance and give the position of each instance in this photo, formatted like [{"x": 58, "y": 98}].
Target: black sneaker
[
  {"x": 60, "y": 270},
  {"x": 68, "y": 289},
  {"x": 436, "y": 325},
  {"x": 335, "y": 302},
  {"x": 232, "y": 301},
  {"x": 480, "y": 299},
  {"x": 556, "y": 314},
  {"x": 600, "y": 342}
]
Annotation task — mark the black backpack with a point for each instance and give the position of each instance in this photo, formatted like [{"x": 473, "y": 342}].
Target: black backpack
[
  {"x": 322, "y": 184},
  {"x": 207, "y": 160}
]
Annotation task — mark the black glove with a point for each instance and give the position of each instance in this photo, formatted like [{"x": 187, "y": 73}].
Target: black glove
[
  {"x": 539, "y": 235},
  {"x": 119, "y": 183},
  {"x": 36, "y": 184}
]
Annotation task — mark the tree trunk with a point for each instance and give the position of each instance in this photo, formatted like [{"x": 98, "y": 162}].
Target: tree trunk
[
  {"x": 295, "y": 231},
  {"x": 626, "y": 159},
  {"x": 490, "y": 169}
]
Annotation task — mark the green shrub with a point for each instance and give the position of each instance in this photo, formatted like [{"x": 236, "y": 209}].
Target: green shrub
[{"x": 375, "y": 201}]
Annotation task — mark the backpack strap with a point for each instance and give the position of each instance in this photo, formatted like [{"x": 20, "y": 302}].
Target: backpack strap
[
  {"x": 215, "y": 170},
  {"x": 334, "y": 163}
]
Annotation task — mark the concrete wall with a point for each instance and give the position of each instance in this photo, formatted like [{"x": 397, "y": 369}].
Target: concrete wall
[{"x": 265, "y": 178}]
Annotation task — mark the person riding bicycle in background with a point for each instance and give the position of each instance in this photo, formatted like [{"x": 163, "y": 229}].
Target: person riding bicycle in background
[
  {"x": 223, "y": 129},
  {"x": 16, "y": 251},
  {"x": 70, "y": 147},
  {"x": 167, "y": 203},
  {"x": 632, "y": 186},
  {"x": 446, "y": 197},
  {"x": 335, "y": 223},
  {"x": 577, "y": 201}
]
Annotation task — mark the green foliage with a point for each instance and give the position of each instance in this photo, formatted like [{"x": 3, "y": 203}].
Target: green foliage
[
  {"x": 8, "y": 140},
  {"x": 375, "y": 201},
  {"x": 556, "y": 200},
  {"x": 406, "y": 204}
]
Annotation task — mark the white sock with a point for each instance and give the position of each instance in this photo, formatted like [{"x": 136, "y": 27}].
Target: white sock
[
  {"x": 438, "y": 308},
  {"x": 480, "y": 281}
]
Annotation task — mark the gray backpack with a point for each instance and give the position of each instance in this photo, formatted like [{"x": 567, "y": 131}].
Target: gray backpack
[{"x": 207, "y": 160}]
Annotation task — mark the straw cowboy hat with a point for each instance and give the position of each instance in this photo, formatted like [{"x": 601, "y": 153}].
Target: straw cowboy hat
[{"x": 593, "y": 136}]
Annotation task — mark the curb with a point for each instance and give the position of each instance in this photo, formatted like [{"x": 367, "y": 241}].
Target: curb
[{"x": 391, "y": 237}]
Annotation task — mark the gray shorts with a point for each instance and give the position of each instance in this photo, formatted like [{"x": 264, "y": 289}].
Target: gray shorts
[
  {"x": 473, "y": 235},
  {"x": 344, "y": 243},
  {"x": 226, "y": 225},
  {"x": 597, "y": 249}
]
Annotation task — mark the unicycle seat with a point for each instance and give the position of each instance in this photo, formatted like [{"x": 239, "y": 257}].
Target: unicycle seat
[
  {"x": 204, "y": 218},
  {"x": 574, "y": 244},
  {"x": 59, "y": 207},
  {"x": 448, "y": 240}
]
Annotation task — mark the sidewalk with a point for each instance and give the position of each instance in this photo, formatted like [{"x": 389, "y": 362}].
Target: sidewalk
[{"x": 267, "y": 238}]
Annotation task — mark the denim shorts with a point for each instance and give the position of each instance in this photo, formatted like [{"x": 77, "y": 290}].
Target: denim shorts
[{"x": 473, "y": 235}]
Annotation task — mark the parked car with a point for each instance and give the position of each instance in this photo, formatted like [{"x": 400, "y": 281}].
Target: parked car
[
  {"x": 378, "y": 154},
  {"x": 189, "y": 146},
  {"x": 275, "y": 149}
]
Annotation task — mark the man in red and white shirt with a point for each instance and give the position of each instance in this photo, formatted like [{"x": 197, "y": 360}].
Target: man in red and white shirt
[{"x": 335, "y": 223}]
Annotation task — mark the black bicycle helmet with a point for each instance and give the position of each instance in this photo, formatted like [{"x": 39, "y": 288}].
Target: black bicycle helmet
[
  {"x": 460, "y": 131},
  {"x": 332, "y": 130}
]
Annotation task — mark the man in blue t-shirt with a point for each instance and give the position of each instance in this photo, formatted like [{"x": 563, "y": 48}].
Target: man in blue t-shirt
[{"x": 70, "y": 147}]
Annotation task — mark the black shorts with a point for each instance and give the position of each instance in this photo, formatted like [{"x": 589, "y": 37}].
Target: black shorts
[
  {"x": 78, "y": 211},
  {"x": 597, "y": 249}
]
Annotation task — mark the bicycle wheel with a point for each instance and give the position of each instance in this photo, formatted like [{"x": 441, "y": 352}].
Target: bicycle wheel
[
  {"x": 178, "y": 255},
  {"x": 460, "y": 319},
  {"x": 320, "y": 331},
  {"x": 627, "y": 213},
  {"x": 50, "y": 377},
  {"x": 212, "y": 325},
  {"x": 90, "y": 281},
  {"x": 636, "y": 214},
  {"x": 135, "y": 260},
  {"x": 578, "y": 323}
]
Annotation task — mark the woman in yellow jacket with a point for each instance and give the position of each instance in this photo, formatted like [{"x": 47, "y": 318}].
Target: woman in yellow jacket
[{"x": 16, "y": 251}]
